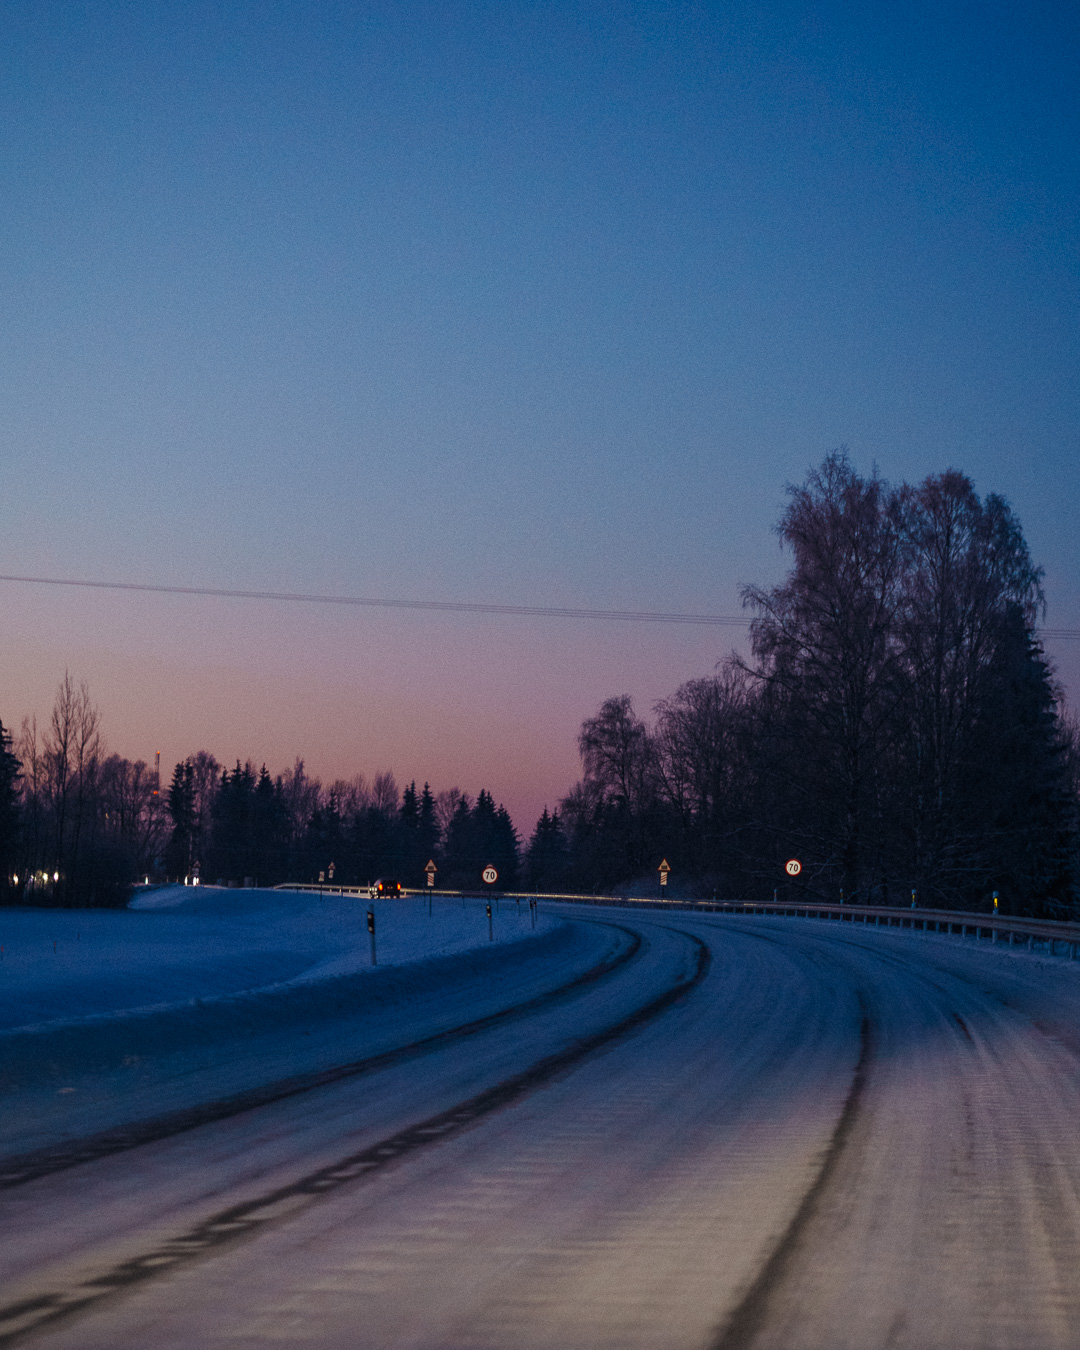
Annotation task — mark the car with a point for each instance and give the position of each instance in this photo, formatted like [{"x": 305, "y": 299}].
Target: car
[{"x": 386, "y": 890}]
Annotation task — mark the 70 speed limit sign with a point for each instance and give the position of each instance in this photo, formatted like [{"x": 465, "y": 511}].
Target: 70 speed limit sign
[
  {"x": 793, "y": 867},
  {"x": 490, "y": 875}
]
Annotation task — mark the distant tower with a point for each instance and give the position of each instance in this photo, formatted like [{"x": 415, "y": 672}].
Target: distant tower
[{"x": 157, "y": 772}]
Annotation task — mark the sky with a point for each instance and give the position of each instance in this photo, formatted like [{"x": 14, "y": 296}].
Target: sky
[{"x": 510, "y": 304}]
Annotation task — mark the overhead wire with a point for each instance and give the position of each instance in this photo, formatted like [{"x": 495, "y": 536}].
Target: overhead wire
[{"x": 435, "y": 606}]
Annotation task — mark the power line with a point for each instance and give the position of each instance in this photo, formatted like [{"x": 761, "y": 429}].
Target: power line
[
  {"x": 438, "y": 606},
  {"x": 366, "y": 602}
]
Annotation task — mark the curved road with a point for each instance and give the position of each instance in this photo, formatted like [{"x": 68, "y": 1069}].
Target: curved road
[{"x": 742, "y": 1133}]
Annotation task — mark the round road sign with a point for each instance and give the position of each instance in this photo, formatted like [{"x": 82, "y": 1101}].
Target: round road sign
[
  {"x": 793, "y": 867},
  {"x": 490, "y": 876}
]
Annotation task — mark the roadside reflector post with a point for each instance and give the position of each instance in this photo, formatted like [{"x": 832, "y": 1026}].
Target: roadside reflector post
[
  {"x": 371, "y": 932},
  {"x": 491, "y": 930},
  {"x": 995, "y": 902},
  {"x": 913, "y": 895}
]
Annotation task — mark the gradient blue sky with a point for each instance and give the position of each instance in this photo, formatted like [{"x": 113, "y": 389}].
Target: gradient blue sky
[{"x": 537, "y": 304}]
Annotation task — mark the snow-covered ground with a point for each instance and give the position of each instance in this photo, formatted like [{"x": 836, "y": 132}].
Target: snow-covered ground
[
  {"x": 110, "y": 1016},
  {"x": 831, "y": 1139},
  {"x": 180, "y": 943}
]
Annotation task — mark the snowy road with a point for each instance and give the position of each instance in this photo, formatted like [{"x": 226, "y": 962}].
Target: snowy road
[{"x": 691, "y": 1131}]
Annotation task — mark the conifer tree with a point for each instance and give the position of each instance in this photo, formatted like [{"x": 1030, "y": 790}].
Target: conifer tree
[
  {"x": 10, "y": 772},
  {"x": 181, "y": 802}
]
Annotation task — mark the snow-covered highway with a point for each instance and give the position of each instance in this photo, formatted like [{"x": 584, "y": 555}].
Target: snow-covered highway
[{"x": 639, "y": 1129}]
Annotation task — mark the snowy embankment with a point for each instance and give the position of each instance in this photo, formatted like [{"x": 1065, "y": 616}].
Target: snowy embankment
[{"x": 108, "y": 1017}]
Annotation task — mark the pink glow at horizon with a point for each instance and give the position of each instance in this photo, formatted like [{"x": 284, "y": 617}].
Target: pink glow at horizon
[{"x": 463, "y": 700}]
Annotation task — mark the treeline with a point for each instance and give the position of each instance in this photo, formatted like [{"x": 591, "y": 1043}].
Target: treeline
[
  {"x": 78, "y": 826},
  {"x": 244, "y": 827},
  {"x": 897, "y": 727}
]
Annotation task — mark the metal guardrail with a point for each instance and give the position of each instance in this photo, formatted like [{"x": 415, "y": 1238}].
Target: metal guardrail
[{"x": 963, "y": 923}]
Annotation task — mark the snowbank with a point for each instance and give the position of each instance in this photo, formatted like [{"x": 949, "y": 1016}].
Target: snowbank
[{"x": 108, "y": 1017}]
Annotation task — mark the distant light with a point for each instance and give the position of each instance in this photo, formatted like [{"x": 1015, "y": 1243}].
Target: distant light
[
  {"x": 15, "y": 879},
  {"x": 56, "y": 876}
]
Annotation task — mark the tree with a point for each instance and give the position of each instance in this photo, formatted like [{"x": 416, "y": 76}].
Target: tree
[
  {"x": 428, "y": 833},
  {"x": 970, "y": 594},
  {"x": 10, "y": 774},
  {"x": 704, "y": 765},
  {"x": 1021, "y": 827},
  {"x": 269, "y": 830},
  {"x": 619, "y": 787},
  {"x": 825, "y": 647},
  {"x": 547, "y": 857},
  {"x": 178, "y": 852},
  {"x": 460, "y": 854},
  {"x": 131, "y": 815},
  {"x": 231, "y": 813}
]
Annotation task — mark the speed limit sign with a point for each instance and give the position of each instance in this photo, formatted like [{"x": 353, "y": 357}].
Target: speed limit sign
[
  {"x": 793, "y": 867},
  {"x": 490, "y": 875}
]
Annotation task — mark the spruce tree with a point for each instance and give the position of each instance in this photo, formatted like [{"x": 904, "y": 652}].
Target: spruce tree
[
  {"x": 10, "y": 772},
  {"x": 181, "y": 803}
]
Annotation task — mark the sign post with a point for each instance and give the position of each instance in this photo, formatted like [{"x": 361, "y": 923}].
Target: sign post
[
  {"x": 491, "y": 930},
  {"x": 371, "y": 931},
  {"x": 330, "y": 873},
  {"x": 664, "y": 869},
  {"x": 430, "y": 869}
]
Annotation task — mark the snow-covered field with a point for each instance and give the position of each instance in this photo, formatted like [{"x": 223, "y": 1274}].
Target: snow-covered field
[
  {"x": 108, "y": 1016},
  {"x": 179, "y": 943}
]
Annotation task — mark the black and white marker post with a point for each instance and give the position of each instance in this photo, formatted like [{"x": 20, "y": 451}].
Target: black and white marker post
[
  {"x": 371, "y": 932},
  {"x": 430, "y": 869}
]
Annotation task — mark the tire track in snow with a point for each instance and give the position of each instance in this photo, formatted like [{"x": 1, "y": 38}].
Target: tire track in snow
[
  {"x": 20, "y": 1169},
  {"x": 247, "y": 1220},
  {"x": 751, "y": 1313}
]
